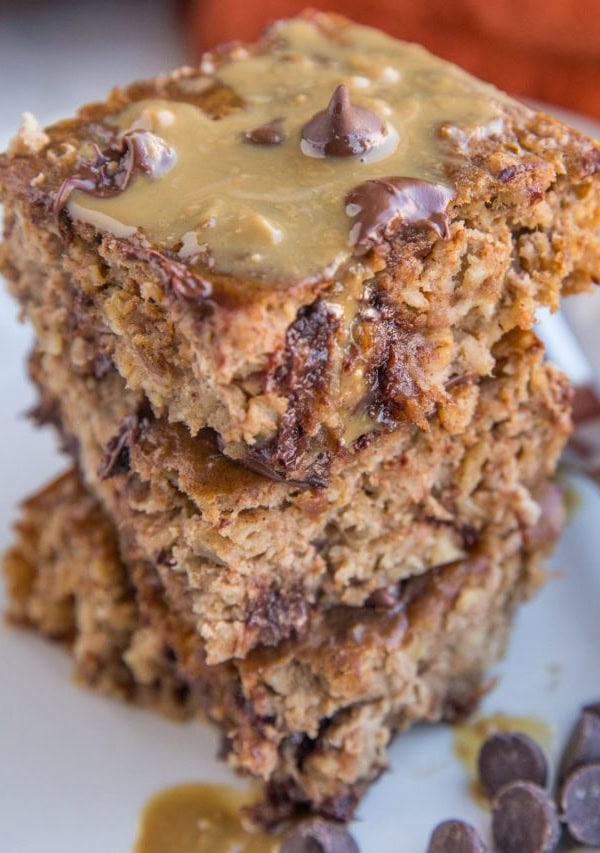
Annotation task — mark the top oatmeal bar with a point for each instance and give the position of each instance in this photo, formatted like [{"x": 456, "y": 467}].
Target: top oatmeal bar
[{"x": 300, "y": 243}]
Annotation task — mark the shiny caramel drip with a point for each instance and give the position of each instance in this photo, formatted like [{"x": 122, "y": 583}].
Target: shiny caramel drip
[
  {"x": 198, "y": 818},
  {"x": 270, "y": 211}
]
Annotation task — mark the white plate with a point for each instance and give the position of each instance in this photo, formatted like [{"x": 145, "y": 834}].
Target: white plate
[{"x": 75, "y": 769}]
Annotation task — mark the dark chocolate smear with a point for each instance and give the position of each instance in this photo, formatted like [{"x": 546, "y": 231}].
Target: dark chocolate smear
[
  {"x": 187, "y": 285},
  {"x": 111, "y": 171},
  {"x": 342, "y": 130},
  {"x": 116, "y": 455},
  {"x": 510, "y": 757},
  {"x": 266, "y": 134},
  {"x": 378, "y": 206},
  {"x": 456, "y": 836},
  {"x": 524, "y": 820},
  {"x": 317, "y": 835},
  {"x": 581, "y": 804}
]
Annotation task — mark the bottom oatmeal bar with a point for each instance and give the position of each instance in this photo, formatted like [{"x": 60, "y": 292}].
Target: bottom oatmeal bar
[{"x": 312, "y": 716}]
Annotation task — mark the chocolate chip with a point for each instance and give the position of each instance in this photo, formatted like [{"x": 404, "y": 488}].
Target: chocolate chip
[
  {"x": 524, "y": 819},
  {"x": 103, "y": 364},
  {"x": 316, "y": 835},
  {"x": 385, "y": 597},
  {"x": 266, "y": 134},
  {"x": 342, "y": 130},
  {"x": 583, "y": 747},
  {"x": 586, "y": 404},
  {"x": 111, "y": 172},
  {"x": 376, "y": 206},
  {"x": 456, "y": 836},
  {"x": 580, "y": 801},
  {"x": 510, "y": 757},
  {"x": 593, "y": 708}
]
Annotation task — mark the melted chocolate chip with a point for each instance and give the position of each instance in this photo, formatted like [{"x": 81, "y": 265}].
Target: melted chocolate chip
[
  {"x": 342, "y": 130},
  {"x": 583, "y": 746},
  {"x": 510, "y": 757},
  {"x": 376, "y": 206},
  {"x": 266, "y": 134},
  {"x": 111, "y": 171},
  {"x": 456, "y": 836},
  {"x": 524, "y": 820},
  {"x": 580, "y": 803},
  {"x": 318, "y": 836}
]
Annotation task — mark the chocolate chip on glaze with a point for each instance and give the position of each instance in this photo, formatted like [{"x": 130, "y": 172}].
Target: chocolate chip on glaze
[
  {"x": 342, "y": 129},
  {"x": 270, "y": 133},
  {"x": 378, "y": 205},
  {"x": 111, "y": 172}
]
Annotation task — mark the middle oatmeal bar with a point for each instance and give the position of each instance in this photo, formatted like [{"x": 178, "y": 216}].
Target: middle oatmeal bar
[
  {"x": 260, "y": 556},
  {"x": 301, "y": 243}
]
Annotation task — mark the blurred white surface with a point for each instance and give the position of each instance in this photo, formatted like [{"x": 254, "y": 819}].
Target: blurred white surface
[
  {"x": 57, "y": 54},
  {"x": 74, "y": 768}
]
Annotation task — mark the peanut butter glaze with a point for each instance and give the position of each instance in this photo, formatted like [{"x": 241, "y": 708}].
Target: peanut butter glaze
[
  {"x": 270, "y": 211},
  {"x": 199, "y": 818}
]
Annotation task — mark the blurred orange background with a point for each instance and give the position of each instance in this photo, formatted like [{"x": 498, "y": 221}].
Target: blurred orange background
[{"x": 543, "y": 49}]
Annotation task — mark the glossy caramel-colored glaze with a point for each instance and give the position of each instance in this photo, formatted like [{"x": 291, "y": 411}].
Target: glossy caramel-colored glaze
[
  {"x": 200, "y": 818},
  {"x": 274, "y": 210}
]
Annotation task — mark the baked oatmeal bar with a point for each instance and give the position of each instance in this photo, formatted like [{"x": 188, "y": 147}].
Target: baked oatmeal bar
[
  {"x": 301, "y": 243},
  {"x": 311, "y": 717},
  {"x": 261, "y": 556}
]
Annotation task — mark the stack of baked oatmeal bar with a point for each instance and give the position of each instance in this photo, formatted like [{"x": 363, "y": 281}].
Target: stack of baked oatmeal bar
[{"x": 284, "y": 305}]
